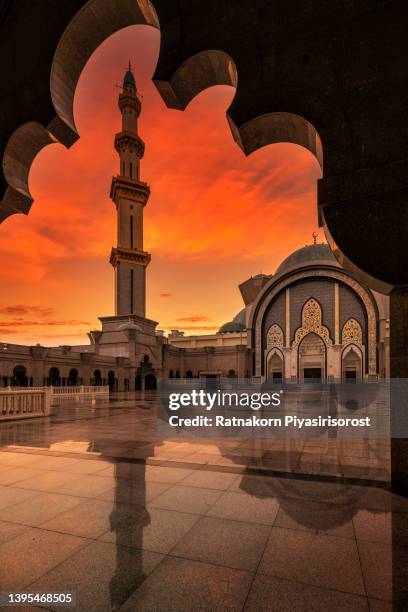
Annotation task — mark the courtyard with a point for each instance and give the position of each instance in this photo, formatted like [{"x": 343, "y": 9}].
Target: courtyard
[{"x": 127, "y": 520}]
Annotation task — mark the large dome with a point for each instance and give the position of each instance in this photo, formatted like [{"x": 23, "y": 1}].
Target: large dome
[{"x": 309, "y": 254}]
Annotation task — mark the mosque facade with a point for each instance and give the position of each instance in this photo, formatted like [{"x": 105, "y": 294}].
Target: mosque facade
[{"x": 310, "y": 321}]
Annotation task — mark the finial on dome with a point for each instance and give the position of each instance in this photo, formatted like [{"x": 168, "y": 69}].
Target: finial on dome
[{"x": 314, "y": 236}]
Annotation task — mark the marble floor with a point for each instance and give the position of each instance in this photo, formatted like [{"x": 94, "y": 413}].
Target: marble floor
[{"x": 93, "y": 502}]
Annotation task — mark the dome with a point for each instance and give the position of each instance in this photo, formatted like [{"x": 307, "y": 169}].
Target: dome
[
  {"x": 237, "y": 324},
  {"x": 309, "y": 254}
]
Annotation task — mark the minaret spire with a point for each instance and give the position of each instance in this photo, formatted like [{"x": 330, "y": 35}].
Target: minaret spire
[{"x": 130, "y": 195}]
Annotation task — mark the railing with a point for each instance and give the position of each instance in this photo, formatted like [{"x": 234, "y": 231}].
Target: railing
[
  {"x": 24, "y": 403},
  {"x": 79, "y": 390}
]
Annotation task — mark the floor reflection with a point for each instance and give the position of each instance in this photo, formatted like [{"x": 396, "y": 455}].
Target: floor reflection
[{"x": 132, "y": 522}]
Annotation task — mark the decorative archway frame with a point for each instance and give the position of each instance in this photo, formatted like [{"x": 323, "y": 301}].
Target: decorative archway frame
[
  {"x": 351, "y": 332},
  {"x": 269, "y": 353},
  {"x": 312, "y": 326},
  {"x": 273, "y": 287},
  {"x": 274, "y": 336},
  {"x": 356, "y": 348},
  {"x": 299, "y": 356}
]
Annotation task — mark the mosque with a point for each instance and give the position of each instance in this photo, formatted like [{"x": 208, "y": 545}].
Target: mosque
[{"x": 311, "y": 320}]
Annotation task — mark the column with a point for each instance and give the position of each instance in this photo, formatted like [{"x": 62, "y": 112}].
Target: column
[
  {"x": 336, "y": 314},
  {"x": 287, "y": 317},
  {"x": 398, "y": 369}
]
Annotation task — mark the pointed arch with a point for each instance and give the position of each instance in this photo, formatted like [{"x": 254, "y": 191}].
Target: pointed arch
[
  {"x": 312, "y": 322},
  {"x": 352, "y": 332},
  {"x": 274, "y": 336}
]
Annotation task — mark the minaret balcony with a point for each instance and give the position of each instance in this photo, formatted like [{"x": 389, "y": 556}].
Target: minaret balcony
[
  {"x": 127, "y": 140},
  {"x": 124, "y": 187},
  {"x": 119, "y": 254},
  {"x": 127, "y": 99}
]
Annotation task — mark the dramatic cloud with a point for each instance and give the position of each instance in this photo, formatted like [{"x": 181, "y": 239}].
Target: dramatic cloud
[
  {"x": 214, "y": 217},
  {"x": 194, "y": 319},
  {"x": 23, "y": 323},
  {"x": 23, "y": 309}
]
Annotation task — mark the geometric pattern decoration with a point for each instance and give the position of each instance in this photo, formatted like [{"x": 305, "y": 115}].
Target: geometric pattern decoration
[
  {"x": 269, "y": 293},
  {"x": 274, "y": 336},
  {"x": 312, "y": 322},
  {"x": 352, "y": 332}
]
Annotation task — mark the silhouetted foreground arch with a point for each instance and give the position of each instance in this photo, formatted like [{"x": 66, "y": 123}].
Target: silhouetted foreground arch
[
  {"x": 329, "y": 66},
  {"x": 89, "y": 27}
]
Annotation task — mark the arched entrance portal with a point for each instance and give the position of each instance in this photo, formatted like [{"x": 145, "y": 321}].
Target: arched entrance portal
[
  {"x": 20, "y": 376},
  {"x": 312, "y": 359},
  {"x": 275, "y": 366},
  {"x": 352, "y": 369}
]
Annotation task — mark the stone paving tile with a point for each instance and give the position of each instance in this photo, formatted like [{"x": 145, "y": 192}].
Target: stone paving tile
[
  {"x": 101, "y": 575},
  {"x": 270, "y": 594},
  {"x": 247, "y": 508},
  {"x": 151, "y": 529},
  {"x": 317, "y": 517},
  {"x": 320, "y": 560},
  {"x": 385, "y": 570},
  {"x": 89, "y": 519},
  {"x": 209, "y": 479},
  {"x": 134, "y": 492},
  {"x": 33, "y": 553},
  {"x": 17, "y": 474},
  {"x": 155, "y": 473},
  {"x": 42, "y": 507},
  {"x": 85, "y": 466},
  {"x": 49, "y": 481},
  {"x": 17, "y": 459},
  {"x": 9, "y": 496},
  {"x": 186, "y": 499},
  {"x": 229, "y": 543},
  {"x": 382, "y": 527},
  {"x": 8, "y": 531},
  {"x": 85, "y": 485},
  {"x": 180, "y": 585}
]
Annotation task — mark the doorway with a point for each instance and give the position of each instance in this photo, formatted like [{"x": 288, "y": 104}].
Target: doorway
[{"x": 312, "y": 359}]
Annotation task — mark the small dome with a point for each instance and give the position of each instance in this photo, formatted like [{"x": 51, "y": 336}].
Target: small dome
[
  {"x": 237, "y": 324},
  {"x": 129, "y": 326},
  {"x": 309, "y": 254}
]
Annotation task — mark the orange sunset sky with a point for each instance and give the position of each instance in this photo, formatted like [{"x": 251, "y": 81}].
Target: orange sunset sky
[{"x": 214, "y": 218}]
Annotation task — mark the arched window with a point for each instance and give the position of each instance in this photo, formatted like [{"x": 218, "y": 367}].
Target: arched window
[
  {"x": 112, "y": 380},
  {"x": 54, "y": 377},
  {"x": 20, "y": 377},
  {"x": 73, "y": 377},
  {"x": 274, "y": 336},
  {"x": 352, "y": 332},
  {"x": 231, "y": 374},
  {"x": 170, "y": 373},
  {"x": 189, "y": 374},
  {"x": 97, "y": 378}
]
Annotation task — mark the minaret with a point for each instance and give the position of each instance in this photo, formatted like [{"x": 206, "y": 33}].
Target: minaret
[{"x": 130, "y": 195}]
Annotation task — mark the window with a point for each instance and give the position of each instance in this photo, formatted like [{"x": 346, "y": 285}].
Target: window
[{"x": 130, "y": 169}]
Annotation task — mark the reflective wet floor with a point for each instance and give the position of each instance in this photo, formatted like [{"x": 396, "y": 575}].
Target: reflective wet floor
[{"x": 93, "y": 502}]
